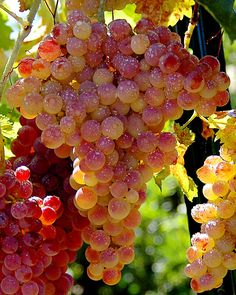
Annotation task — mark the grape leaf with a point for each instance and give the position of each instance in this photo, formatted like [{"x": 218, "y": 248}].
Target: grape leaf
[
  {"x": 186, "y": 183},
  {"x": 169, "y": 186},
  {"x": 6, "y": 127},
  {"x": 223, "y": 11},
  {"x": 5, "y": 40},
  {"x": 25, "y": 4}
]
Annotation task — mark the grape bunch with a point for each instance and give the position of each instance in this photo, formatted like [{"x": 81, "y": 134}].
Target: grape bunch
[
  {"x": 101, "y": 95},
  {"x": 212, "y": 252},
  {"x": 25, "y": 253},
  {"x": 40, "y": 232}
]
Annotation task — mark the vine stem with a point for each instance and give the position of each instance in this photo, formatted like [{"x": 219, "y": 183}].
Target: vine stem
[
  {"x": 21, "y": 37},
  {"x": 12, "y": 14},
  {"x": 101, "y": 9},
  {"x": 191, "y": 26},
  {"x": 194, "y": 115}
]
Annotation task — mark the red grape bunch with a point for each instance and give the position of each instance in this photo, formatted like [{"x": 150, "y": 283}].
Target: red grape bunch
[
  {"x": 40, "y": 233},
  {"x": 212, "y": 252},
  {"x": 25, "y": 253}
]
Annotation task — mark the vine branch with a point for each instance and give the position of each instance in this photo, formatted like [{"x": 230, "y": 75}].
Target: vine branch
[
  {"x": 191, "y": 26},
  {"x": 12, "y": 14},
  {"x": 21, "y": 37},
  {"x": 101, "y": 17}
]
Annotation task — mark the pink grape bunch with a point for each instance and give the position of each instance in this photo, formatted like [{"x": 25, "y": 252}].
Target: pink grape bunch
[
  {"x": 41, "y": 233},
  {"x": 212, "y": 252},
  {"x": 101, "y": 95}
]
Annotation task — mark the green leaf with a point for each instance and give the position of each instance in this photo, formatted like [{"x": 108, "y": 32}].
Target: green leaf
[
  {"x": 223, "y": 11},
  {"x": 169, "y": 186},
  {"x": 6, "y": 127},
  {"x": 5, "y": 40}
]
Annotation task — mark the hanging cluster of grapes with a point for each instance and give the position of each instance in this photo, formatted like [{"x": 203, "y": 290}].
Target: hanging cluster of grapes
[
  {"x": 212, "y": 252},
  {"x": 100, "y": 96},
  {"x": 40, "y": 227}
]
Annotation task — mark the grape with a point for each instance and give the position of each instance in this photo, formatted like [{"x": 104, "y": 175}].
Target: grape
[
  {"x": 15, "y": 95},
  {"x": 82, "y": 30},
  {"x": 30, "y": 288},
  {"x": 102, "y": 76},
  {"x": 215, "y": 228},
  {"x": 112, "y": 127},
  {"x": 52, "y": 136},
  {"x": 212, "y": 62},
  {"x": 126, "y": 254},
  {"x": 188, "y": 100},
  {"x": 23, "y": 274},
  {"x": 153, "y": 54},
  {"x": 169, "y": 63},
  {"x": 120, "y": 29},
  {"x": 25, "y": 67},
  {"x": 33, "y": 104},
  {"x": 61, "y": 32},
  {"x": 12, "y": 261},
  {"x": 52, "y": 104},
  {"x": 22, "y": 173},
  {"x": 41, "y": 69},
  {"x": 118, "y": 208},
  {"x": 49, "y": 50},
  {"x": 194, "y": 82},
  {"x": 9, "y": 285},
  {"x": 19, "y": 210},
  {"x": 111, "y": 276},
  {"x": 99, "y": 240},
  {"x": 152, "y": 116},
  {"x": 128, "y": 66},
  {"x": 61, "y": 68},
  {"x": 85, "y": 198},
  {"x": 90, "y": 130},
  {"x": 43, "y": 120},
  {"x": 213, "y": 258},
  {"x": 140, "y": 43}
]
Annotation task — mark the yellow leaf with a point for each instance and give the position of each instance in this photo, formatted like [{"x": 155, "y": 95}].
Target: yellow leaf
[
  {"x": 25, "y": 4},
  {"x": 186, "y": 183},
  {"x": 184, "y": 136},
  {"x": 164, "y": 12}
]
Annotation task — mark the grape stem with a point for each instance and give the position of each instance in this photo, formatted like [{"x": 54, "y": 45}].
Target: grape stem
[
  {"x": 26, "y": 29},
  {"x": 101, "y": 9},
  {"x": 194, "y": 115},
  {"x": 191, "y": 26},
  {"x": 16, "y": 17},
  {"x": 52, "y": 6}
]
